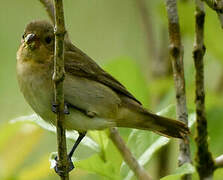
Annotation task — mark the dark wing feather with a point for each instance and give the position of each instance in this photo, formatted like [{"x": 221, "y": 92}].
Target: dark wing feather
[{"x": 79, "y": 64}]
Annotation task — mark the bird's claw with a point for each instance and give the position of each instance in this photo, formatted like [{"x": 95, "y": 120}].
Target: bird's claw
[
  {"x": 59, "y": 170},
  {"x": 55, "y": 108}
]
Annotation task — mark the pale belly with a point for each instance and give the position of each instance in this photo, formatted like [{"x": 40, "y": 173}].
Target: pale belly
[{"x": 39, "y": 95}]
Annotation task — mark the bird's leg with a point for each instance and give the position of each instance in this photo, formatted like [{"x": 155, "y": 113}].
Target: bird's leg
[
  {"x": 71, "y": 165},
  {"x": 55, "y": 107}
]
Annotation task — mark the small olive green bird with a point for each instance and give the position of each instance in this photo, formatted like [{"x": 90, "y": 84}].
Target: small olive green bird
[{"x": 94, "y": 99}]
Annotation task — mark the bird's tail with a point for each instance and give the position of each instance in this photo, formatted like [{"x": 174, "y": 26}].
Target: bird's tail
[{"x": 149, "y": 121}]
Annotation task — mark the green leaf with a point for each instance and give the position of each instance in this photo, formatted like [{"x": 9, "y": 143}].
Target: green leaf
[
  {"x": 107, "y": 167},
  {"x": 92, "y": 146},
  {"x": 191, "y": 119},
  {"x": 22, "y": 140},
  {"x": 169, "y": 111},
  {"x": 132, "y": 77},
  {"x": 7, "y": 132},
  {"x": 96, "y": 165},
  {"x": 102, "y": 139},
  {"x": 38, "y": 170},
  {"x": 186, "y": 168},
  {"x": 146, "y": 155}
]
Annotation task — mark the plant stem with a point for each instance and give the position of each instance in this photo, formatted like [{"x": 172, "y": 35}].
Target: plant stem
[
  {"x": 49, "y": 9},
  {"x": 58, "y": 78},
  {"x": 159, "y": 63},
  {"x": 176, "y": 54},
  {"x": 147, "y": 25},
  {"x": 204, "y": 161},
  {"x": 139, "y": 171}
]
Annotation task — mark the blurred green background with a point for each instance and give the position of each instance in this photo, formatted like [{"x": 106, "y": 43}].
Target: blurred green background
[{"x": 113, "y": 34}]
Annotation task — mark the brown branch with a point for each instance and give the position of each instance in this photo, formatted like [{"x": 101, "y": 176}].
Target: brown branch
[
  {"x": 147, "y": 25},
  {"x": 139, "y": 171},
  {"x": 159, "y": 65},
  {"x": 219, "y": 162},
  {"x": 58, "y": 78},
  {"x": 204, "y": 160},
  {"x": 49, "y": 9},
  {"x": 176, "y": 54}
]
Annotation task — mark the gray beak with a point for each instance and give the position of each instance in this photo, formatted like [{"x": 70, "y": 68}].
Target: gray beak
[{"x": 29, "y": 38}]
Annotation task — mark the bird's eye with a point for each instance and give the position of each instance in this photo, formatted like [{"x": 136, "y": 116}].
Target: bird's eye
[
  {"x": 48, "y": 40},
  {"x": 23, "y": 36}
]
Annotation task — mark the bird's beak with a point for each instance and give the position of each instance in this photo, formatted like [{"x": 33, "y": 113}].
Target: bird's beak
[{"x": 30, "y": 38}]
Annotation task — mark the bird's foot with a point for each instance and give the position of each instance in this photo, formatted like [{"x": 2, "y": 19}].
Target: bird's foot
[
  {"x": 55, "y": 108},
  {"x": 60, "y": 170},
  {"x": 91, "y": 114}
]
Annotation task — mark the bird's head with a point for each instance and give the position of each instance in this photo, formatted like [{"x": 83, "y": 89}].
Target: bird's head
[{"x": 37, "y": 42}]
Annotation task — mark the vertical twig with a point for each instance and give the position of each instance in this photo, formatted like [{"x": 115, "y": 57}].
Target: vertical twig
[
  {"x": 204, "y": 160},
  {"x": 49, "y": 9},
  {"x": 159, "y": 65},
  {"x": 147, "y": 24},
  {"x": 176, "y": 54},
  {"x": 139, "y": 171},
  {"x": 58, "y": 78}
]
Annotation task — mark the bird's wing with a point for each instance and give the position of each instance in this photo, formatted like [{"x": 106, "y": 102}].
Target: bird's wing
[{"x": 79, "y": 64}]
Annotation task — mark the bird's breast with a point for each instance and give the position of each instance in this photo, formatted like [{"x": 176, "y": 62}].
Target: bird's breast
[{"x": 36, "y": 85}]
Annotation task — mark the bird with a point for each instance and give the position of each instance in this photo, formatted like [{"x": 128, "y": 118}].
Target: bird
[{"x": 94, "y": 100}]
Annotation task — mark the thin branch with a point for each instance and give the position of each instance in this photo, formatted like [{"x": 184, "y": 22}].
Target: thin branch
[
  {"x": 219, "y": 162},
  {"x": 204, "y": 160},
  {"x": 58, "y": 78},
  {"x": 176, "y": 54},
  {"x": 216, "y": 5},
  {"x": 49, "y": 8},
  {"x": 159, "y": 65},
  {"x": 147, "y": 25},
  {"x": 139, "y": 171}
]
